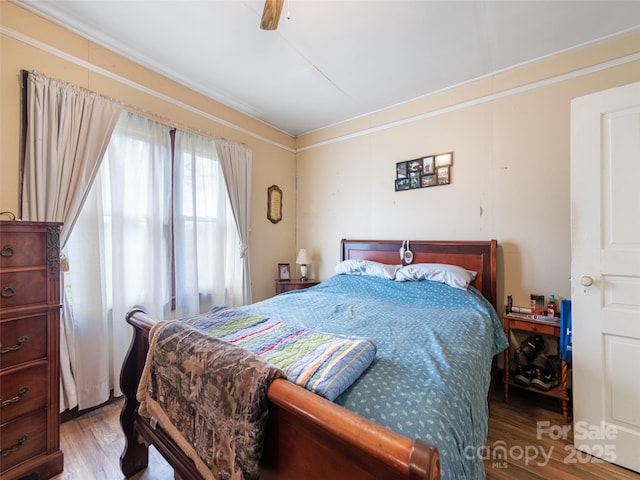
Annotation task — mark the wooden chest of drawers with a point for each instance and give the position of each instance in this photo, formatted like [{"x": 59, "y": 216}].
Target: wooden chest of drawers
[{"x": 29, "y": 350}]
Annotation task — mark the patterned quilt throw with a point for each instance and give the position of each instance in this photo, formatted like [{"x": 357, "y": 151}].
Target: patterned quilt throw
[
  {"x": 326, "y": 364},
  {"x": 206, "y": 377}
]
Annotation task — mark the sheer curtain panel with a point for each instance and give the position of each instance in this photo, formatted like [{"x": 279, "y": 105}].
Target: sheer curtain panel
[
  {"x": 208, "y": 270},
  {"x": 119, "y": 253},
  {"x": 68, "y": 130}
]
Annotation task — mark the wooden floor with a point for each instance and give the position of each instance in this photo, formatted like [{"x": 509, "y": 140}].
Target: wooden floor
[
  {"x": 93, "y": 442},
  {"x": 531, "y": 453}
]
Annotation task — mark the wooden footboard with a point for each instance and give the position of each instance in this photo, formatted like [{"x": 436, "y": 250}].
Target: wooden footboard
[{"x": 307, "y": 436}]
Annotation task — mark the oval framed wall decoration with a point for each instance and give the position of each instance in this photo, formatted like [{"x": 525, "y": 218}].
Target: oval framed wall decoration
[{"x": 274, "y": 204}]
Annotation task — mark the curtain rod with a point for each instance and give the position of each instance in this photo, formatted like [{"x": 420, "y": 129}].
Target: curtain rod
[{"x": 138, "y": 110}]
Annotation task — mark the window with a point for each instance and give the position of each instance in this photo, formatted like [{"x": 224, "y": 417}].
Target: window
[
  {"x": 204, "y": 229},
  {"x": 156, "y": 224}
]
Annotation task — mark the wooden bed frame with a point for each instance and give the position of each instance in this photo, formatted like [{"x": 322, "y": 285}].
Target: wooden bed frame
[{"x": 308, "y": 436}]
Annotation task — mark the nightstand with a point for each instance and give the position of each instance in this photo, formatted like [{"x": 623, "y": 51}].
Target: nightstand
[
  {"x": 548, "y": 329},
  {"x": 294, "y": 284}
]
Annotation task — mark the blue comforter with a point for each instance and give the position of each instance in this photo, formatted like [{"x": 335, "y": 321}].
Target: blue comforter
[{"x": 435, "y": 347}]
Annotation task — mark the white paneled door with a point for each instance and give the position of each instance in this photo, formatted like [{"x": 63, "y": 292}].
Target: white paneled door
[{"x": 605, "y": 272}]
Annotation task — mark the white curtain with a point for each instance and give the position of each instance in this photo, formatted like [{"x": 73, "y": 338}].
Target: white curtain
[
  {"x": 68, "y": 129},
  {"x": 207, "y": 248},
  {"x": 119, "y": 253},
  {"x": 236, "y": 162}
]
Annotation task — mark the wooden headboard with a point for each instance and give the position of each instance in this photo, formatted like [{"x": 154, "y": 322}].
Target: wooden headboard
[{"x": 477, "y": 256}]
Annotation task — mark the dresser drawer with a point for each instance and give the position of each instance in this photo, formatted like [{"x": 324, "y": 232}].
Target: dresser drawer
[
  {"x": 23, "y": 390},
  {"x": 23, "y": 339},
  {"x": 23, "y": 288},
  {"x": 22, "y": 249},
  {"x": 23, "y": 439},
  {"x": 535, "y": 327}
]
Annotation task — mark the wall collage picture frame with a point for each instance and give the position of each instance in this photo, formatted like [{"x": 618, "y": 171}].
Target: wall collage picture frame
[{"x": 429, "y": 171}]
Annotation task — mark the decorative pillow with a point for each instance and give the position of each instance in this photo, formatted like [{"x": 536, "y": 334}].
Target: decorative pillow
[
  {"x": 452, "y": 275},
  {"x": 367, "y": 267}
]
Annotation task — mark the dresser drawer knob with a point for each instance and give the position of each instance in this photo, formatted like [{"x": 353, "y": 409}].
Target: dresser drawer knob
[
  {"x": 21, "y": 342},
  {"x": 7, "y": 251},
  {"x": 21, "y": 441},
  {"x": 21, "y": 393},
  {"x": 7, "y": 291}
]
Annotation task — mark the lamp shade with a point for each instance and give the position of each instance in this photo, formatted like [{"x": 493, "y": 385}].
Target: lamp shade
[{"x": 303, "y": 257}]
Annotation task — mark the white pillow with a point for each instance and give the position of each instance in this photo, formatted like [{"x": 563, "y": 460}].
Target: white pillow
[
  {"x": 367, "y": 267},
  {"x": 452, "y": 275}
]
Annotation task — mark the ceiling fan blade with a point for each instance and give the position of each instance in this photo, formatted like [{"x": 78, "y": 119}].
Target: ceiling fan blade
[{"x": 271, "y": 14}]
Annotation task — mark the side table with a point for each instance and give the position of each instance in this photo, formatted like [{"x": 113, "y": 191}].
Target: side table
[
  {"x": 294, "y": 284},
  {"x": 529, "y": 324}
]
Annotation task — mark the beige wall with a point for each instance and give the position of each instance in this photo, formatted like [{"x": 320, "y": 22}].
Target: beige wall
[
  {"x": 510, "y": 134},
  {"x": 29, "y": 42}
]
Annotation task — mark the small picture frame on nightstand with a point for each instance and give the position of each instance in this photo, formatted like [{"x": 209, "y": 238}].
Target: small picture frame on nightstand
[{"x": 284, "y": 271}]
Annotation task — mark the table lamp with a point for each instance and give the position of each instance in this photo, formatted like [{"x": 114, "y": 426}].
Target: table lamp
[{"x": 303, "y": 260}]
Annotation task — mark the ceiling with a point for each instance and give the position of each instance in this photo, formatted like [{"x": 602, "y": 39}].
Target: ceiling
[{"x": 334, "y": 60}]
